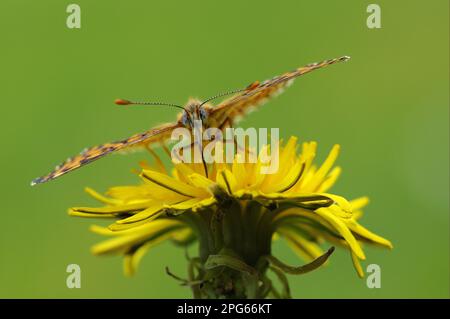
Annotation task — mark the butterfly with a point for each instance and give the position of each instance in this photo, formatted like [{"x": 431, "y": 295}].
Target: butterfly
[{"x": 223, "y": 115}]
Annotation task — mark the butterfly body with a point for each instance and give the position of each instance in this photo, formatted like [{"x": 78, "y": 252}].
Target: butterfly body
[{"x": 225, "y": 114}]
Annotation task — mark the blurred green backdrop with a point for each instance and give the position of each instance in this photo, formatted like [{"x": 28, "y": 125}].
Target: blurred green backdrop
[{"x": 388, "y": 108}]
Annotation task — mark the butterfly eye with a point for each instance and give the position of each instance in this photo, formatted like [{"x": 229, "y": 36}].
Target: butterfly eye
[
  {"x": 203, "y": 114},
  {"x": 185, "y": 119}
]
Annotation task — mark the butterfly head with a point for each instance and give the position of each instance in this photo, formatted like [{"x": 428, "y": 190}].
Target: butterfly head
[{"x": 194, "y": 111}]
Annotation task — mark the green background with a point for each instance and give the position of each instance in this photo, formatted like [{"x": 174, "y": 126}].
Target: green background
[{"x": 388, "y": 107}]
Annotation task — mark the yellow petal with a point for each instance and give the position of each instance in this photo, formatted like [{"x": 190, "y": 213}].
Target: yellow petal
[
  {"x": 182, "y": 234},
  {"x": 287, "y": 157},
  {"x": 310, "y": 198},
  {"x": 134, "y": 236},
  {"x": 128, "y": 194},
  {"x": 288, "y": 152},
  {"x": 239, "y": 172},
  {"x": 148, "y": 214},
  {"x": 305, "y": 249},
  {"x": 132, "y": 260},
  {"x": 183, "y": 171},
  {"x": 72, "y": 212},
  {"x": 342, "y": 207},
  {"x": 109, "y": 210},
  {"x": 357, "y": 214},
  {"x": 318, "y": 177},
  {"x": 308, "y": 154},
  {"x": 330, "y": 233},
  {"x": 101, "y": 198},
  {"x": 330, "y": 180},
  {"x": 365, "y": 233},
  {"x": 201, "y": 181},
  {"x": 359, "y": 203},
  {"x": 192, "y": 204},
  {"x": 171, "y": 184},
  {"x": 305, "y": 179},
  {"x": 357, "y": 265},
  {"x": 253, "y": 176},
  {"x": 286, "y": 182},
  {"x": 118, "y": 228},
  {"x": 342, "y": 229},
  {"x": 227, "y": 181},
  {"x": 101, "y": 230}
]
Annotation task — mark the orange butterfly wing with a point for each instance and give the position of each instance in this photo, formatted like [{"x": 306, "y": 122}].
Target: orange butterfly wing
[
  {"x": 257, "y": 93},
  {"x": 91, "y": 154}
]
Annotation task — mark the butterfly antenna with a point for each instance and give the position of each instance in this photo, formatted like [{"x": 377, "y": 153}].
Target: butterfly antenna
[
  {"x": 223, "y": 94},
  {"x": 127, "y": 102}
]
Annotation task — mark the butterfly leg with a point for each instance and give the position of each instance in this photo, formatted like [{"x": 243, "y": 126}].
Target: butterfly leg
[
  {"x": 229, "y": 124},
  {"x": 189, "y": 148}
]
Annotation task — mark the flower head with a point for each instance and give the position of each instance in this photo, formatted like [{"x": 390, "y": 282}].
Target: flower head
[{"x": 235, "y": 212}]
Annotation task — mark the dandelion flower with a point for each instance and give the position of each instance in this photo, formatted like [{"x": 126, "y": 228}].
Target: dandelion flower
[{"x": 235, "y": 213}]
